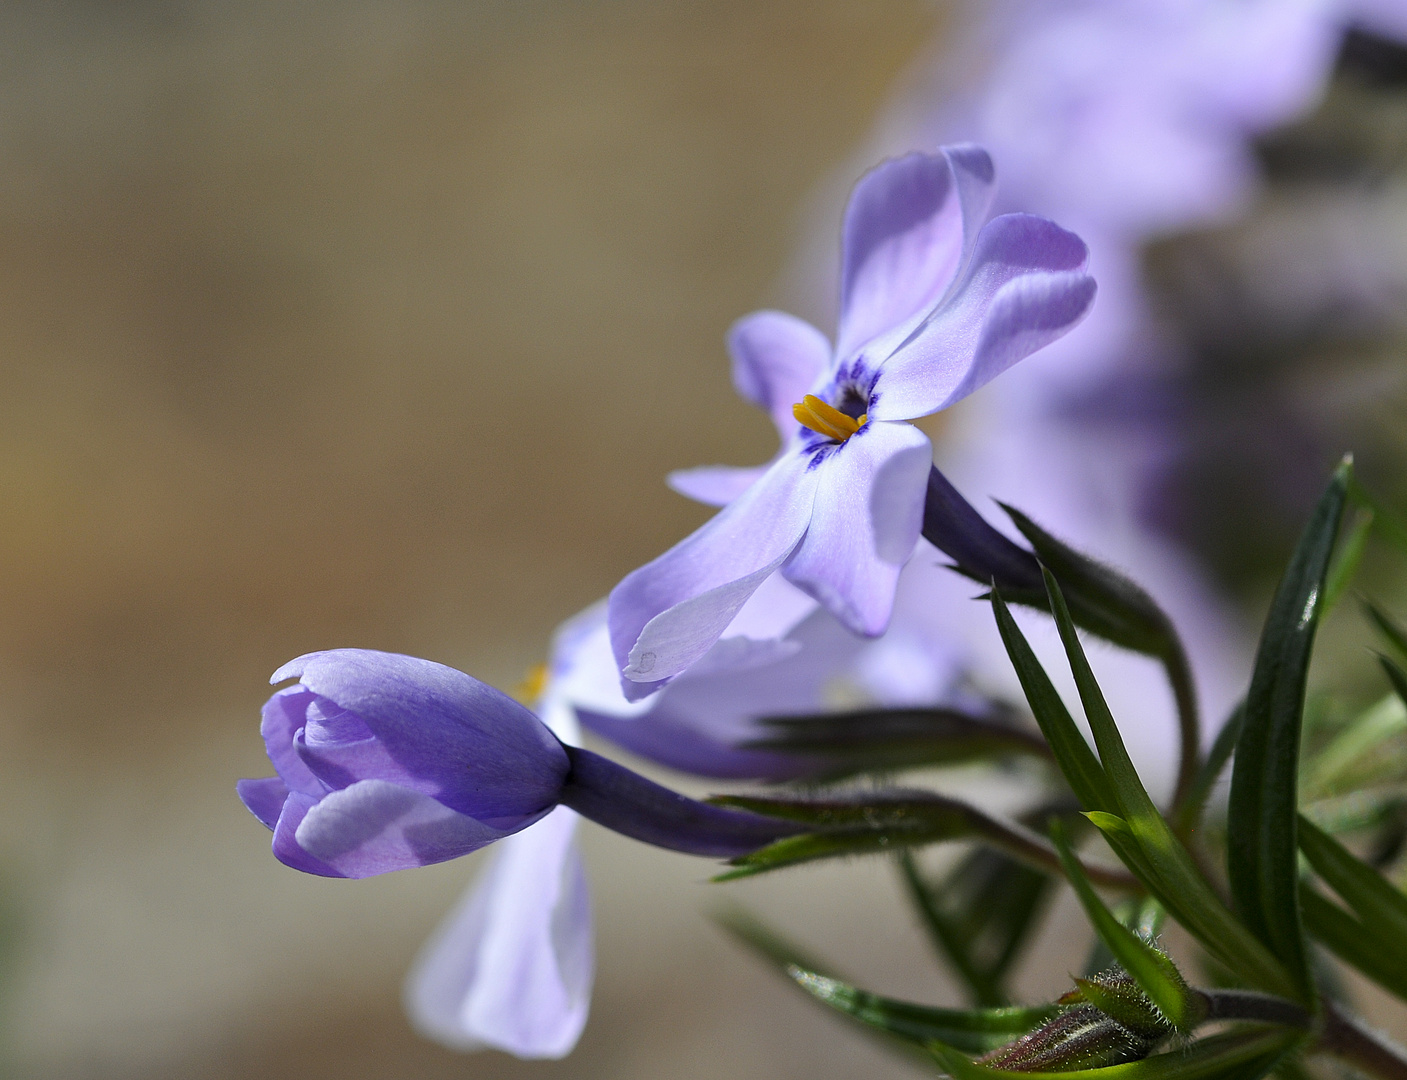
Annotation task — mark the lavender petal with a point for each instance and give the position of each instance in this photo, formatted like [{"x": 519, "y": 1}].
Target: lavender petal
[
  {"x": 864, "y": 525},
  {"x": 511, "y": 967},
  {"x": 669, "y": 612},
  {"x": 1024, "y": 287},
  {"x": 904, "y": 238},
  {"x": 777, "y": 359}
]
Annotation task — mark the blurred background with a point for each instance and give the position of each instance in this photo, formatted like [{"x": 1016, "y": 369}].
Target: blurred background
[{"x": 378, "y": 324}]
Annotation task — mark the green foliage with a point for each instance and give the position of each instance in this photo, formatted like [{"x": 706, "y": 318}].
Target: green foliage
[
  {"x": 1381, "y": 908},
  {"x": 973, "y": 1031},
  {"x": 979, "y": 915},
  {"x": 882, "y": 740},
  {"x": 877, "y": 822},
  {"x": 1233, "y": 1056},
  {"x": 1156, "y": 975},
  {"x": 1127, "y": 818},
  {"x": 1263, "y": 808}
]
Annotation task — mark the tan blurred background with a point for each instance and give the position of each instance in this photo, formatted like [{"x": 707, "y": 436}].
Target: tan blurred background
[{"x": 374, "y": 324}]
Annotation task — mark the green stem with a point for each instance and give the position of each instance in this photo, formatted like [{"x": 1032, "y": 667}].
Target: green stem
[{"x": 1189, "y": 724}]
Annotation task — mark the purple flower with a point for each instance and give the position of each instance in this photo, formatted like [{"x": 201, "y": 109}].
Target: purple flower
[
  {"x": 387, "y": 761},
  {"x": 933, "y": 305},
  {"x": 511, "y": 966}
]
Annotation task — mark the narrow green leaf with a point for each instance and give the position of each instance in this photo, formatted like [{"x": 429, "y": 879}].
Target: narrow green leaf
[
  {"x": 1348, "y": 748},
  {"x": 1235, "y": 1056},
  {"x": 1144, "y": 916},
  {"x": 1396, "y": 676},
  {"x": 1382, "y": 908},
  {"x": 979, "y": 915},
  {"x": 1345, "y": 564},
  {"x": 1155, "y": 974},
  {"x": 1382, "y": 961},
  {"x": 888, "y": 822},
  {"x": 948, "y": 939},
  {"x": 1389, "y": 627},
  {"x": 1082, "y": 770},
  {"x": 1155, "y": 854},
  {"x": 974, "y": 1031},
  {"x": 1388, "y": 525},
  {"x": 1108, "y": 603},
  {"x": 1263, "y": 809}
]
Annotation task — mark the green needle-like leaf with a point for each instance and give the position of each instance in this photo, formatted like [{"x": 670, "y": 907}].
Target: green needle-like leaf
[
  {"x": 1389, "y": 627},
  {"x": 1076, "y": 760},
  {"x": 1236, "y": 1056},
  {"x": 1155, "y": 974},
  {"x": 889, "y": 822},
  {"x": 1143, "y": 838},
  {"x": 1384, "y": 962},
  {"x": 1382, "y": 908},
  {"x": 1263, "y": 810},
  {"x": 1345, "y": 565},
  {"x": 1109, "y": 604},
  {"x": 974, "y": 1031},
  {"x": 1355, "y": 743},
  {"x": 1396, "y": 676},
  {"x": 979, "y": 915}
]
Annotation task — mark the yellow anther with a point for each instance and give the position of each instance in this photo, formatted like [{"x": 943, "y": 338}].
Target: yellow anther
[
  {"x": 826, "y": 419},
  {"x": 532, "y": 686}
]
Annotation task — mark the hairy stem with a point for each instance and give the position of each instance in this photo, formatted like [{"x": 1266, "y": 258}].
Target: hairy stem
[{"x": 1252, "y": 1005}]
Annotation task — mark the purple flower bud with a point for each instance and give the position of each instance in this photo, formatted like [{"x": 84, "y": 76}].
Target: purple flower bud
[{"x": 387, "y": 761}]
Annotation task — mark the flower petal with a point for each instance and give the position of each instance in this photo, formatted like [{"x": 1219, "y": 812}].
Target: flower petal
[
  {"x": 511, "y": 967},
  {"x": 284, "y": 715},
  {"x": 286, "y": 848},
  {"x": 264, "y": 798},
  {"x": 669, "y": 612},
  {"x": 715, "y": 485},
  {"x": 906, "y": 229},
  {"x": 448, "y": 735},
  {"x": 777, "y": 359},
  {"x": 1025, "y": 286},
  {"x": 865, "y": 523},
  {"x": 374, "y": 827}
]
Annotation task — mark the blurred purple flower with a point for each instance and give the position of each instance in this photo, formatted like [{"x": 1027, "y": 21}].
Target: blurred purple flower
[
  {"x": 933, "y": 306},
  {"x": 511, "y": 966}
]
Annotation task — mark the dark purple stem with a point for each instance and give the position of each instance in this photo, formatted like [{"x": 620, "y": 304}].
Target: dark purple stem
[
  {"x": 627, "y": 803},
  {"x": 954, "y": 527}
]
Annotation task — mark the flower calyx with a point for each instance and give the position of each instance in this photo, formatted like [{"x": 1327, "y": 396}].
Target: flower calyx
[{"x": 825, "y": 419}]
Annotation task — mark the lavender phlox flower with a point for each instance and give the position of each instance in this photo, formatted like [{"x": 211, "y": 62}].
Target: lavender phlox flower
[
  {"x": 386, "y": 762},
  {"x": 702, "y": 721},
  {"x": 933, "y": 305},
  {"x": 511, "y": 966}
]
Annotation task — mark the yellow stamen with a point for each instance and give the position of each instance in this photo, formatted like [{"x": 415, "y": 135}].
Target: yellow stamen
[
  {"x": 532, "y": 686},
  {"x": 826, "y": 419}
]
